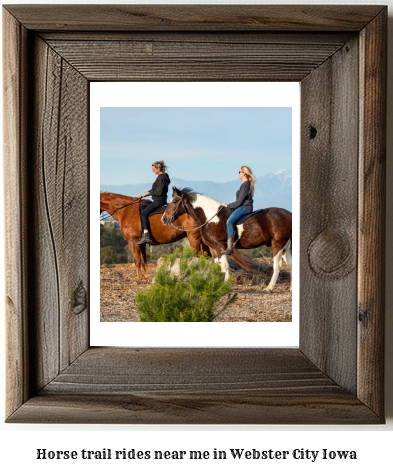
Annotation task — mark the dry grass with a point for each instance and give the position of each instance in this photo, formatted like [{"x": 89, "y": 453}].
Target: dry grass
[{"x": 254, "y": 303}]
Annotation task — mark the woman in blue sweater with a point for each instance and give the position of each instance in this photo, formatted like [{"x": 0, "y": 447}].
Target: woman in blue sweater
[{"x": 243, "y": 204}]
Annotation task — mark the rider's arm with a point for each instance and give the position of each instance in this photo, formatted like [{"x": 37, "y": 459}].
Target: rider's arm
[
  {"x": 243, "y": 193},
  {"x": 158, "y": 186}
]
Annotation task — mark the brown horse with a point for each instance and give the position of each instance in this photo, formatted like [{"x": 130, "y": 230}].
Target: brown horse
[
  {"x": 127, "y": 215},
  {"x": 271, "y": 227}
]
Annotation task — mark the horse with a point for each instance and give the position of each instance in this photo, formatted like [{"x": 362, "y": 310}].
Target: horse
[
  {"x": 270, "y": 227},
  {"x": 125, "y": 210}
]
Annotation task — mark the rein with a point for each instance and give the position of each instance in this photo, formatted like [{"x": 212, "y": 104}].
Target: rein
[
  {"x": 118, "y": 209},
  {"x": 194, "y": 226}
]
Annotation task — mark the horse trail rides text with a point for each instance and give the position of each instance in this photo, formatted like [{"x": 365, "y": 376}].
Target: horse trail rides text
[{"x": 300, "y": 454}]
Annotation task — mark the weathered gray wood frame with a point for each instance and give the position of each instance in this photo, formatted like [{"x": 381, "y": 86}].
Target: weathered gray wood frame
[{"x": 338, "y": 54}]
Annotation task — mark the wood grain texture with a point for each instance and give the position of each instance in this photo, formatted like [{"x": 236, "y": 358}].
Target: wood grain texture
[
  {"x": 193, "y": 386},
  {"x": 372, "y": 207},
  {"x": 195, "y": 17},
  {"x": 328, "y": 243},
  {"x": 202, "y": 37},
  {"x": 191, "y": 60},
  {"x": 14, "y": 74},
  {"x": 335, "y": 376},
  {"x": 194, "y": 409},
  {"x": 59, "y": 218}
]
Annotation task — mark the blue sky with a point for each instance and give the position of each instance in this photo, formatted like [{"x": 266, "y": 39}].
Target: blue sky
[{"x": 197, "y": 143}]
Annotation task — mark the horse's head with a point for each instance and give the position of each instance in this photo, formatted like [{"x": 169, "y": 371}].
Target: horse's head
[
  {"x": 175, "y": 207},
  {"x": 103, "y": 196},
  {"x": 108, "y": 201}
]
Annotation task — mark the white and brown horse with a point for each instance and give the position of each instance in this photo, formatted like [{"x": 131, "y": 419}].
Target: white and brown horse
[{"x": 270, "y": 227}]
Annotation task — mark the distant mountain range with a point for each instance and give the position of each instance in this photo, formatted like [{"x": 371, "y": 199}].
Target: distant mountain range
[{"x": 271, "y": 190}]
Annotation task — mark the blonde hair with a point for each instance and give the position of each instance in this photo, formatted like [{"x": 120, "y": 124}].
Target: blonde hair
[
  {"x": 160, "y": 165},
  {"x": 248, "y": 172}
]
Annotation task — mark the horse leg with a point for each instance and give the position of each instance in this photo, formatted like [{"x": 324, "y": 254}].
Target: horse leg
[
  {"x": 215, "y": 256},
  {"x": 136, "y": 253},
  {"x": 287, "y": 256},
  {"x": 196, "y": 242},
  {"x": 221, "y": 259},
  {"x": 218, "y": 258},
  {"x": 205, "y": 249},
  {"x": 224, "y": 265},
  {"x": 144, "y": 263},
  {"x": 277, "y": 262}
]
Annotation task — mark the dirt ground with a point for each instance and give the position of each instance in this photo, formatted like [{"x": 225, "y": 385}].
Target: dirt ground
[{"x": 254, "y": 303}]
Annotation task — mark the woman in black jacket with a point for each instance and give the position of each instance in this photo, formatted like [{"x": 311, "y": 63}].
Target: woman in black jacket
[
  {"x": 159, "y": 194},
  {"x": 243, "y": 204}
]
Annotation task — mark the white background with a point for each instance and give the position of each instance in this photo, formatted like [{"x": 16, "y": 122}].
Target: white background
[
  {"x": 187, "y": 94},
  {"x": 18, "y": 443}
]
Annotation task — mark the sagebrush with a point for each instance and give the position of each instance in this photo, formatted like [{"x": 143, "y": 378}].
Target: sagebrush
[{"x": 188, "y": 293}]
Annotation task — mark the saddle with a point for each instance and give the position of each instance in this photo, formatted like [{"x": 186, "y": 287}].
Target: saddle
[
  {"x": 159, "y": 210},
  {"x": 247, "y": 216},
  {"x": 242, "y": 220}
]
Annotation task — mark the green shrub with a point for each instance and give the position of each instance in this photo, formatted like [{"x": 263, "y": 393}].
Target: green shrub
[
  {"x": 189, "y": 295},
  {"x": 115, "y": 250},
  {"x": 113, "y": 246},
  {"x": 157, "y": 251}
]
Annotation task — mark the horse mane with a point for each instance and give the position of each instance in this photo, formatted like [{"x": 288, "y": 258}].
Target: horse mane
[{"x": 190, "y": 192}]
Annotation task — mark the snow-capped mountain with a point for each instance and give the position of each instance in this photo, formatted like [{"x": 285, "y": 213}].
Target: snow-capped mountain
[{"x": 271, "y": 190}]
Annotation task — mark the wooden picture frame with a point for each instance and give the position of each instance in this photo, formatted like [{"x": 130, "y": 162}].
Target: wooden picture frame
[{"x": 338, "y": 54}]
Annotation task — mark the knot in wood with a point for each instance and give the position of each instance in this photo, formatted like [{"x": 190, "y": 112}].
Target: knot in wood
[
  {"x": 313, "y": 132},
  {"x": 80, "y": 299},
  {"x": 363, "y": 316},
  {"x": 330, "y": 254}
]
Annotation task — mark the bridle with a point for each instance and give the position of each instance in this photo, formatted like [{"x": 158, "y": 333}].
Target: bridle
[
  {"x": 104, "y": 218},
  {"x": 194, "y": 226}
]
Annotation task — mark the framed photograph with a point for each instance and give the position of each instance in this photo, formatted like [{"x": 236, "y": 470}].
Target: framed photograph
[
  {"x": 202, "y": 131},
  {"x": 52, "y": 56}
]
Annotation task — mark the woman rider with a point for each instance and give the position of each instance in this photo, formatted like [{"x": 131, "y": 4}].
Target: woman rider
[
  {"x": 242, "y": 206},
  {"x": 159, "y": 193}
]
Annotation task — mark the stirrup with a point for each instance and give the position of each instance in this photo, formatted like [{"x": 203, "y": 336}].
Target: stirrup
[
  {"x": 144, "y": 240},
  {"x": 228, "y": 251}
]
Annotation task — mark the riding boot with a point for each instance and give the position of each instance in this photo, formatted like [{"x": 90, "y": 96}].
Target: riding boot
[
  {"x": 229, "y": 250},
  {"x": 145, "y": 239}
]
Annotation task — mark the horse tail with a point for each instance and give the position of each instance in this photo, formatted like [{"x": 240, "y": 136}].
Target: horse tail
[
  {"x": 288, "y": 244},
  {"x": 247, "y": 262}
]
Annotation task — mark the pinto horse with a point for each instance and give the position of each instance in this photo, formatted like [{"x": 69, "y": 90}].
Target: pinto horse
[
  {"x": 127, "y": 215},
  {"x": 125, "y": 210},
  {"x": 271, "y": 227}
]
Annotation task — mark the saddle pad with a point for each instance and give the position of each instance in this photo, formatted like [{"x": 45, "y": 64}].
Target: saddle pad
[
  {"x": 159, "y": 210},
  {"x": 247, "y": 216}
]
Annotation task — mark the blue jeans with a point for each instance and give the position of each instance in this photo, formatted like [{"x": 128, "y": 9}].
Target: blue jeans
[{"x": 234, "y": 217}]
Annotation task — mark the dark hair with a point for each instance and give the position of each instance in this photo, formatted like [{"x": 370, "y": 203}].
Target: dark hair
[{"x": 160, "y": 165}]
